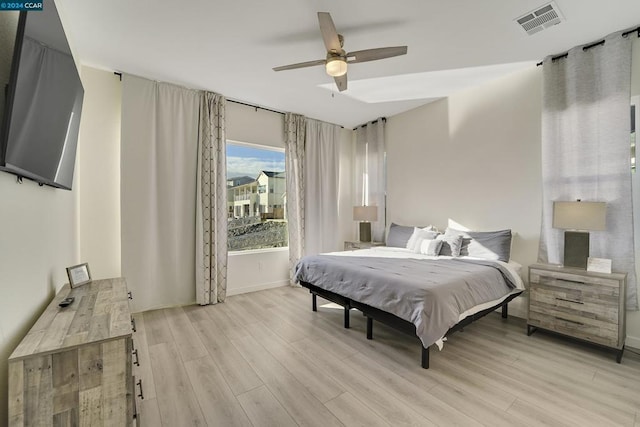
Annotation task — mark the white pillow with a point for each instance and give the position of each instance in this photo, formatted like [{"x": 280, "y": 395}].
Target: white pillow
[
  {"x": 418, "y": 234},
  {"x": 430, "y": 246}
]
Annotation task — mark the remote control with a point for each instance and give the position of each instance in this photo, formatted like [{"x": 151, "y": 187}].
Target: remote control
[{"x": 67, "y": 301}]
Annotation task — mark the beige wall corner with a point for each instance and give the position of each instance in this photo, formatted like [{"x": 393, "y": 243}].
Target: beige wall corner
[{"x": 99, "y": 173}]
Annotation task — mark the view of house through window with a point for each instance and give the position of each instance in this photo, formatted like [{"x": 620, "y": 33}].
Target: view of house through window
[{"x": 256, "y": 197}]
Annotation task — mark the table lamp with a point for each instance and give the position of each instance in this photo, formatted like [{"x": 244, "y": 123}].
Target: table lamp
[
  {"x": 577, "y": 219},
  {"x": 366, "y": 215}
]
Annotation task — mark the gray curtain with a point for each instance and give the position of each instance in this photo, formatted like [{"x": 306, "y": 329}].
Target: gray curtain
[
  {"x": 321, "y": 175},
  {"x": 295, "y": 127},
  {"x": 585, "y": 149},
  {"x": 159, "y": 151},
  {"x": 370, "y": 166},
  {"x": 211, "y": 193}
]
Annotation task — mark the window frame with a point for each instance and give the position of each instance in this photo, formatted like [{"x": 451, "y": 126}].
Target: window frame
[{"x": 239, "y": 252}]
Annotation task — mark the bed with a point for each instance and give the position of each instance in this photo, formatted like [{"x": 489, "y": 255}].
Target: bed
[{"x": 428, "y": 296}]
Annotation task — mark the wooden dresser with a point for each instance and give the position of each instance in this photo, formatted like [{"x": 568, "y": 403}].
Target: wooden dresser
[
  {"x": 74, "y": 367},
  {"x": 578, "y": 303}
]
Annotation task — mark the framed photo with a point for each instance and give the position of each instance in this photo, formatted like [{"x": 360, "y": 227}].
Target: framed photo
[
  {"x": 599, "y": 265},
  {"x": 79, "y": 275}
]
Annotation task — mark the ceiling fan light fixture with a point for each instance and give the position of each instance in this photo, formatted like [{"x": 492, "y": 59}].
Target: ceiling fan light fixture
[{"x": 336, "y": 66}]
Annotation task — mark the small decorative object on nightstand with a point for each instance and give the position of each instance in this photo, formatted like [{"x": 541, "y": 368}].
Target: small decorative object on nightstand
[
  {"x": 581, "y": 304},
  {"x": 353, "y": 245}
]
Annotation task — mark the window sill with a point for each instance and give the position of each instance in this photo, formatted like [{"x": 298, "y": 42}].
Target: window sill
[{"x": 258, "y": 251}]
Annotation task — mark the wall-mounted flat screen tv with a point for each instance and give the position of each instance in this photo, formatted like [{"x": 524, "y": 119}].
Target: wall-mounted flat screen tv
[{"x": 43, "y": 103}]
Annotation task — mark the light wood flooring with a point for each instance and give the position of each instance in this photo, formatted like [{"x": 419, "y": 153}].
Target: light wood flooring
[{"x": 265, "y": 359}]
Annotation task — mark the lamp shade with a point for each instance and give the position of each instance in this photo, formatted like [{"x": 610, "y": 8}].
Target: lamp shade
[
  {"x": 589, "y": 216},
  {"x": 365, "y": 213}
]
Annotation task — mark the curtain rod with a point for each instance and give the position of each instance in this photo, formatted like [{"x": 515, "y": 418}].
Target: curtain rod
[
  {"x": 268, "y": 109},
  {"x": 384, "y": 119},
  {"x": 243, "y": 103},
  {"x": 254, "y": 106},
  {"x": 587, "y": 47}
]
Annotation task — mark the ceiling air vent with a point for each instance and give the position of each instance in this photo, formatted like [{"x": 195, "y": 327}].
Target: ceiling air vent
[{"x": 540, "y": 19}]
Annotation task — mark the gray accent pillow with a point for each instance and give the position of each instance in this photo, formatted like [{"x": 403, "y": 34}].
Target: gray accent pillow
[
  {"x": 451, "y": 243},
  {"x": 399, "y": 235},
  {"x": 492, "y": 245}
]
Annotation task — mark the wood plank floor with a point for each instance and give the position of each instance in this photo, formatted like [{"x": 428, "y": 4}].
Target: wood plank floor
[{"x": 265, "y": 359}]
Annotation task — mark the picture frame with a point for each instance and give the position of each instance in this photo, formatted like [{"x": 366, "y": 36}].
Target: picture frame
[
  {"x": 79, "y": 275},
  {"x": 599, "y": 265}
]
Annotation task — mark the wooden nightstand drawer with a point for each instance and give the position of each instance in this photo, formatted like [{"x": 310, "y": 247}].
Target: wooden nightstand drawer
[
  {"x": 574, "y": 328},
  {"x": 578, "y": 303},
  {"x": 573, "y": 280},
  {"x": 587, "y": 302}
]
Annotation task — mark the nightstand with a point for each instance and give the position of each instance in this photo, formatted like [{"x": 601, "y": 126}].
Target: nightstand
[
  {"x": 353, "y": 245},
  {"x": 578, "y": 303}
]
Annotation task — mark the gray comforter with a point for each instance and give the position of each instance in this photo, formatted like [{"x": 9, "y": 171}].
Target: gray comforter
[{"x": 431, "y": 294}]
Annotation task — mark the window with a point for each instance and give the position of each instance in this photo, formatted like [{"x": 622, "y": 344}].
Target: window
[{"x": 259, "y": 214}]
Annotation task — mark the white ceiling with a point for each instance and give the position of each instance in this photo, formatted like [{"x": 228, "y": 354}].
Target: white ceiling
[{"x": 231, "y": 46}]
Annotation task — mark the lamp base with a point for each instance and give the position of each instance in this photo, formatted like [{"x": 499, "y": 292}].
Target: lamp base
[
  {"x": 365, "y": 231},
  {"x": 576, "y": 249}
]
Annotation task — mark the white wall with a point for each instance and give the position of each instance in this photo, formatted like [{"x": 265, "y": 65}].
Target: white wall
[
  {"x": 99, "y": 173},
  {"x": 38, "y": 240},
  {"x": 473, "y": 158}
]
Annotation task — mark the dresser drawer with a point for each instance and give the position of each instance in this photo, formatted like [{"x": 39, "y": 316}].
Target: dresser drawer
[
  {"x": 587, "y": 303},
  {"x": 574, "y": 281},
  {"x": 576, "y": 328}
]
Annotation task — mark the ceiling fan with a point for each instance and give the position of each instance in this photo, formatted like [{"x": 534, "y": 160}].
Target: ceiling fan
[{"x": 337, "y": 59}]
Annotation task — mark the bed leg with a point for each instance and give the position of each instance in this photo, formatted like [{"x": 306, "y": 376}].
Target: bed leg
[
  {"x": 505, "y": 311},
  {"x": 314, "y": 302},
  {"x": 425, "y": 357},
  {"x": 346, "y": 317},
  {"x": 369, "y": 328}
]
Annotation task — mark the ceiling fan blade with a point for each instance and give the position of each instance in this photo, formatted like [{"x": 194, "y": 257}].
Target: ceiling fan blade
[
  {"x": 374, "y": 54},
  {"x": 341, "y": 82},
  {"x": 329, "y": 33},
  {"x": 300, "y": 65}
]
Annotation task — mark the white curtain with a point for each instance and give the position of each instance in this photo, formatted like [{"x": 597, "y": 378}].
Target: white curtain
[
  {"x": 322, "y": 167},
  {"x": 370, "y": 172},
  {"x": 294, "y": 128},
  {"x": 159, "y": 145},
  {"x": 211, "y": 212},
  {"x": 585, "y": 149}
]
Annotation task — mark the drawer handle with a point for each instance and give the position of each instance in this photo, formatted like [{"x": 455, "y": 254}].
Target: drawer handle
[
  {"x": 130, "y": 295},
  {"x": 571, "y": 281},
  {"x": 137, "y": 361},
  {"x": 141, "y": 396},
  {"x": 133, "y": 324},
  {"x": 569, "y": 300},
  {"x": 570, "y": 321}
]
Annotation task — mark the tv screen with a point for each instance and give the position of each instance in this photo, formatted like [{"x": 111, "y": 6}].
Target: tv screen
[{"x": 44, "y": 102}]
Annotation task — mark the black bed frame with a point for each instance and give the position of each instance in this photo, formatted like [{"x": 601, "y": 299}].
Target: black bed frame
[{"x": 392, "y": 320}]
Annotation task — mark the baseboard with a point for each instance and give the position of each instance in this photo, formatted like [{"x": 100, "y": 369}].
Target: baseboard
[
  {"x": 633, "y": 342},
  {"x": 260, "y": 287}
]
